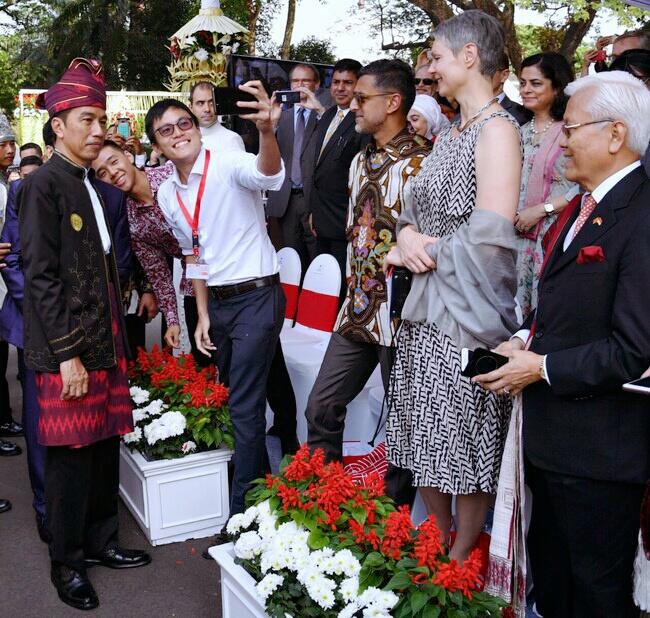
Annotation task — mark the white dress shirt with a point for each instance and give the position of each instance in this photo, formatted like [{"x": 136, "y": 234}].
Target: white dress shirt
[
  {"x": 100, "y": 216},
  {"x": 217, "y": 139},
  {"x": 233, "y": 241},
  {"x": 598, "y": 194}
]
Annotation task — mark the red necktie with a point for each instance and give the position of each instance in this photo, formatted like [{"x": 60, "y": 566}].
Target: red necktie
[{"x": 588, "y": 206}]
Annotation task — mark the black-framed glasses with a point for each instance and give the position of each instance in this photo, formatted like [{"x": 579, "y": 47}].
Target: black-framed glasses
[
  {"x": 567, "y": 128},
  {"x": 167, "y": 130},
  {"x": 361, "y": 98},
  {"x": 427, "y": 81}
]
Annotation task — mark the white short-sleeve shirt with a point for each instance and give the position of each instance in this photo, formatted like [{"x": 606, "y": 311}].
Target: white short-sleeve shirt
[{"x": 233, "y": 240}]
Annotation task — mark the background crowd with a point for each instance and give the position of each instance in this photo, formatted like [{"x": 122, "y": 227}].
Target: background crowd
[{"x": 524, "y": 227}]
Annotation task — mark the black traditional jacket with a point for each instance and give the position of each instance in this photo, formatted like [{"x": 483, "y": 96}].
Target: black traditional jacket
[{"x": 67, "y": 307}]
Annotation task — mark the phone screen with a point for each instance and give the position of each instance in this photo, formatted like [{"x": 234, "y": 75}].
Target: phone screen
[
  {"x": 225, "y": 101},
  {"x": 124, "y": 128},
  {"x": 642, "y": 382}
]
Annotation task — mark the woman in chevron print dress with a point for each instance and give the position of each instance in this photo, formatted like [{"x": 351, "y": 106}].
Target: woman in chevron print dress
[{"x": 447, "y": 430}]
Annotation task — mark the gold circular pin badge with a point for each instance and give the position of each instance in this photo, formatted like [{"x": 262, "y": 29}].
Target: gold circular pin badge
[{"x": 76, "y": 222}]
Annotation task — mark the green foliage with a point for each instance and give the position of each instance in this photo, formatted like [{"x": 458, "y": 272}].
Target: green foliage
[{"x": 313, "y": 49}]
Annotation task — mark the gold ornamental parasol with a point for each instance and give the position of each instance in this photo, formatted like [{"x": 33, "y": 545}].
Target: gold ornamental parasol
[{"x": 200, "y": 49}]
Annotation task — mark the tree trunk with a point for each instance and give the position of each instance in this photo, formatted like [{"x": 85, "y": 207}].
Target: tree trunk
[
  {"x": 288, "y": 31},
  {"x": 254, "y": 8},
  {"x": 574, "y": 34}
]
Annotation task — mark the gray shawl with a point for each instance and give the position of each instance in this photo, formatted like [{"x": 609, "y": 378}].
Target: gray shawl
[{"x": 471, "y": 295}]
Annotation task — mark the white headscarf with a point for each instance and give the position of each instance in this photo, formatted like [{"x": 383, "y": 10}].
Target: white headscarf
[{"x": 429, "y": 108}]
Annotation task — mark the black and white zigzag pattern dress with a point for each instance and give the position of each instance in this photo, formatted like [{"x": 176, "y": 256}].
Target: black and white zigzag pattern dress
[{"x": 449, "y": 432}]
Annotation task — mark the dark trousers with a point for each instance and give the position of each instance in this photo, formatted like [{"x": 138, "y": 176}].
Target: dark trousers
[
  {"x": 296, "y": 231},
  {"x": 135, "y": 332},
  {"x": 81, "y": 486},
  {"x": 5, "y": 404},
  {"x": 245, "y": 331},
  {"x": 191, "y": 321},
  {"x": 36, "y": 452},
  {"x": 338, "y": 249},
  {"x": 282, "y": 400},
  {"x": 343, "y": 374},
  {"x": 582, "y": 541}
]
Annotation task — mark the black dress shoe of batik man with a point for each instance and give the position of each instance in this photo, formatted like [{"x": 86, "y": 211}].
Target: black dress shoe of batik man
[
  {"x": 8, "y": 449},
  {"x": 74, "y": 587}
]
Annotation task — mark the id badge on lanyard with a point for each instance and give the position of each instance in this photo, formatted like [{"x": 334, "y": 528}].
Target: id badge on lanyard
[{"x": 196, "y": 270}]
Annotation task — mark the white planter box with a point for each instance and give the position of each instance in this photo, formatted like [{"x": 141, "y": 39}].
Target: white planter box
[
  {"x": 176, "y": 499},
  {"x": 238, "y": 598}
]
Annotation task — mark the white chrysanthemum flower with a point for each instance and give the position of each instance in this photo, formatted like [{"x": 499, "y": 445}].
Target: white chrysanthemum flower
[
  {"x": 139, "y": 395},
  {"x": 349, "y": 589},
  {"x": 325, "y": 598},
  {"x": 267, "y": 529},
  {"x": 155, "y": 408},
  {"x": 134, "y": 436},
  {"x": 201, "y": 55},
  {"x": 139, "y": 414},
  {"x": 237, "y": 522},
  {"x": 188, "y": 447},
  {"x": 349, "y": 610},
  {"x": 345, "y": 562},
  {"x": 170, "y": 424},
  {"x": 370, "y": 595},
  {"x": 248, "y": 546},
  {"x": 375, "y": 612},
  {"x": 386, "y": 600},
  {"x": 309, "y": 576},
  {"x": 268, "y": 584}
]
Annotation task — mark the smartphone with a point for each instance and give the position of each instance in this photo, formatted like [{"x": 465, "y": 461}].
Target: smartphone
[
  {"x": 642, "y": 386},
  {"x": 479, "y": 361},
  {"x": 225, "y": 101},
  {"x": 124, "y": 127},
  {"x": 288, "y": 97}
]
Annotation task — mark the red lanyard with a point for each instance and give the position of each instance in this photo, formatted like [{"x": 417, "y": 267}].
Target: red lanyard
[{"x": 193, "y": 222}]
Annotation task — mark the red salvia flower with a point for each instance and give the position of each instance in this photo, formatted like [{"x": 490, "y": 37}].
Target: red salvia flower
[
  {"x": 428, "y": 544},
  {"x": 397, "y": 532}
]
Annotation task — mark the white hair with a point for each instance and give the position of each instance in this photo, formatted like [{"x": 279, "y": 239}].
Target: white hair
[{"x": 620, "y": 96}]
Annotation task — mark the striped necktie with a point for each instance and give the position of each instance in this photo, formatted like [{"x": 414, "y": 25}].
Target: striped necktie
[{"x": 336, "y": 121}]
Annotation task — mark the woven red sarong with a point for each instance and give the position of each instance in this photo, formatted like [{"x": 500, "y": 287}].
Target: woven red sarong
[{"x": 104, "y": 412}]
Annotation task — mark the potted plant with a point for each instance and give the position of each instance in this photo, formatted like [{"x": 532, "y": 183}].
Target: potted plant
[
  {"x": 174, "y": 464},
  {"x": 314, "y": 543}
]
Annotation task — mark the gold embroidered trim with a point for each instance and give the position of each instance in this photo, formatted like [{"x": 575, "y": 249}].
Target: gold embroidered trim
[
  {"x": 69, "y": 347},
  {"x": 70, "y": 334}
]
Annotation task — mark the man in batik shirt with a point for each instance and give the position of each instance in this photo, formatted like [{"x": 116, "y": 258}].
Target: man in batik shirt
[{"x": 380, "y": 186}]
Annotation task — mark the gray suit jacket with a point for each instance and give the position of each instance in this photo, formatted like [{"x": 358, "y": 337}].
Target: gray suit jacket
[{"x": 279, "y": 200}]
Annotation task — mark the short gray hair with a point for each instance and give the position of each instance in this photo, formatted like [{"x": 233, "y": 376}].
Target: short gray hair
[
  {"x": 620, "y": 96},
  {"x": 479, "y": 28}
]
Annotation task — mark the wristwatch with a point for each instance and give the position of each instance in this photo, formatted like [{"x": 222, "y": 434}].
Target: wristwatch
[{"x": 549, "y": 209}]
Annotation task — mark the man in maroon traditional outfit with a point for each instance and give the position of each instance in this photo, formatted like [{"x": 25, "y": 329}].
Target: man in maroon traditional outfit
[{"x": 73, "y": 338}]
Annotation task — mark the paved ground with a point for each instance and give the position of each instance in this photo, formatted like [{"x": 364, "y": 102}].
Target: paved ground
[{"x": 179, "y": 582}]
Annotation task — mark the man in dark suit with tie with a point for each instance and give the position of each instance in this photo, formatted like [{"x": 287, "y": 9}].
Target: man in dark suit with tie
[
  {"x": 586, "y": 441},
  {"x": 331, "y": 149},
  {"x": 294, "y": 127}
]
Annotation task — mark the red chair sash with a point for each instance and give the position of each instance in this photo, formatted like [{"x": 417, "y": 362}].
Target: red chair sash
[
  {"x": 317, "y": 310},
  {"x": 291, "y": 294}
]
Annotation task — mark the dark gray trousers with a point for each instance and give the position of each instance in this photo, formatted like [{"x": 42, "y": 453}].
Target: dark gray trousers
[{"x": 345, "y": 370}]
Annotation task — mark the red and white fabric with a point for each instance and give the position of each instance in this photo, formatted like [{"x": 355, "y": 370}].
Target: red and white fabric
[{"x": 290, "y": 273}]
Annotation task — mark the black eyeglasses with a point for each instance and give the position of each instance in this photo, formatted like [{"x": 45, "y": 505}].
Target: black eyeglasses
[
  {"x": 425, "y": 80},
  {"x": 567, "y": 128},
  {"x": 167, "y": 130}
]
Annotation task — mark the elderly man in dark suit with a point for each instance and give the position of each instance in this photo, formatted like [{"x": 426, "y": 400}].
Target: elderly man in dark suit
[
  {"x": 586, "y": 441},
  {"x": 288, "y": 208},
  {"x": 331, "y": 149}
]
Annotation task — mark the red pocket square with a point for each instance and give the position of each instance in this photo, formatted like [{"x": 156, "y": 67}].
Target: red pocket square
[{"x": 592, "y": 253}]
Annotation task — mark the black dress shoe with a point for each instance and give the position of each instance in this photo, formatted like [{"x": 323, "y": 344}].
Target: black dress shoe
[
  {"x": 5, "y": 505},
  {"x": 220, "y": 539},
  {"x": 43, "y": 532},
  {"x": 7, "y": 449},
  {"x": 74, "y": 587},
  {"x": 118, "y": 558},
  {"x": 11, "y": 429}
]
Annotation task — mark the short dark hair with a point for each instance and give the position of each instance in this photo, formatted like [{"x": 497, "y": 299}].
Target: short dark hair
[
  {"x": 201, "y": 84},
  {"x": 49, "y": 137},
  {"x": 111, "y": 144},
  {"x": 30, "y": 145},
  {"x": 30, "y": 160},
  {"x": 504, "y": 62},
  {"x": 157, "y": 111},
  {"x": 556, "y": 67},
  {"x": 348, "y": 64},
  {"x": 393, "y": 75},
  {"x": 634, "y": 61},
  {"x": 305, "y": 65}
]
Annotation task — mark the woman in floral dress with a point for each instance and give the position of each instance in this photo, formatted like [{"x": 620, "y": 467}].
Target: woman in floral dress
[{"x": 544, "y": 190}]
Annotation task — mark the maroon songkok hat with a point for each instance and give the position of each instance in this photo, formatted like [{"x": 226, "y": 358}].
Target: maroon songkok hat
[{"x": 80, "y": 86}]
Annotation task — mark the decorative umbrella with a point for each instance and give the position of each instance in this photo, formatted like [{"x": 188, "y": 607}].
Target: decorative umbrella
[{"x": 200, "y": 49}]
